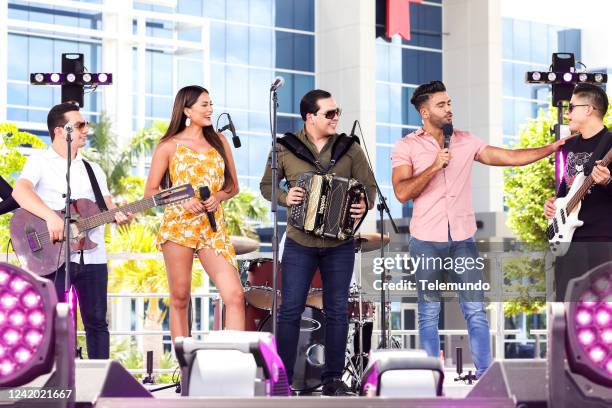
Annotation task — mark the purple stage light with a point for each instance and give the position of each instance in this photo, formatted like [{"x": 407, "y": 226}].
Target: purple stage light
[
  {"x": 102, "y": 78},
  {"x": 27, "y": 307},
  {"x": 31, "y": 300},
  {"x": 586, "y": 337},
  {"x": 584, "y": 317},
  {"x": 606, "y": 337},
  {"x": 602, "y": 318},
  {"x": 567, "y": 77},
  {"x": 55, "y": 77},
  {"x": 597, "y": 354}
]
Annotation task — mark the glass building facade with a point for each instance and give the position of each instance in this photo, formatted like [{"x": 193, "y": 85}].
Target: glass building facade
[
  {"x": 400, "y": 67},
  {"x": 528, "y": 46}
]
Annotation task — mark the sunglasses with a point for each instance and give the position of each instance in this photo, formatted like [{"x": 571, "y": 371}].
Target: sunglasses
[
  {"x": 332, "y": 113},
  {"x": 571, "y": 107}
]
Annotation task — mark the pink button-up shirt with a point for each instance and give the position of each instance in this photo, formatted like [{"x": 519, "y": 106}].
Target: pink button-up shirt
[{"x": 447, "y": 198}]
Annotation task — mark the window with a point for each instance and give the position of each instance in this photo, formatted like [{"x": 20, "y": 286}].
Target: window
[
  {"x": 296, "y": 14},
  {"x": 294, "y": 51}
]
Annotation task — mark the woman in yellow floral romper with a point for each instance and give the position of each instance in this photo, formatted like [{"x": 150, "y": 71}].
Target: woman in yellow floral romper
[{"x": 194, "y": 153}]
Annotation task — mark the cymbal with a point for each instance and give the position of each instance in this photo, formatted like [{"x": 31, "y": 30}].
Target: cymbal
[
  {"x": 369, "y": 241},
  {"x": 244, "y": 245}
]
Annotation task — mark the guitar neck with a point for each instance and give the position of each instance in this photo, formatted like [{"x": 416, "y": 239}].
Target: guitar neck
[
  {"x": 107, "y": 217},
  {"x": 588, "y": 182}
]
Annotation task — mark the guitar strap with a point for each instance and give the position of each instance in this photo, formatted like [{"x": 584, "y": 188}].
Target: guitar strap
[
  {"x": 597, "y": 155},
  {"x": 99, "y": 199},
  {"x": 95, "y": 186}
]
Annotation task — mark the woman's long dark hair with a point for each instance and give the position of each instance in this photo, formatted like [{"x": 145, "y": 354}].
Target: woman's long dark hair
[{"x": 185, "y": 98}]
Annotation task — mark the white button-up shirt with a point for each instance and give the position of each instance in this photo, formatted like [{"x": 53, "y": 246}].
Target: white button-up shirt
[{"x": 46, "y": 170}]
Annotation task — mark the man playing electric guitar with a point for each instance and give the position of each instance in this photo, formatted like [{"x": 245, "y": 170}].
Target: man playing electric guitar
[
  {"x": 40, "y": 190},
  {"x": 592, "y": 242}
]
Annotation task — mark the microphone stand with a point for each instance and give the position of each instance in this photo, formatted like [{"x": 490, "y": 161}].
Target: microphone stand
[
  {"x": 274, "y": 209},
  {"x": 382, "y": 208},
  {"x": 67, "y": 234}
]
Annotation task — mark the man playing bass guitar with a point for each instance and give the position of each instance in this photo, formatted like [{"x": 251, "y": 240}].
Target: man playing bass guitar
[{"x": 592, "y": 242}]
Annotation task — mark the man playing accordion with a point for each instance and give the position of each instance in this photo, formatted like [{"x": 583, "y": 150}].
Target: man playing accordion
[{"x": 318, "y": 149}]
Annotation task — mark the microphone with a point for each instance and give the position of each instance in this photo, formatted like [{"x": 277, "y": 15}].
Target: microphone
[
  {"x": 448, "y": 132},
  {"x": 68, "y": 127},
  {"x": 353, "y": 128},
  {"x": 279, "y": 81},
  {"x": 232, "y": 129},
  {"x": 205, "y": 195}
]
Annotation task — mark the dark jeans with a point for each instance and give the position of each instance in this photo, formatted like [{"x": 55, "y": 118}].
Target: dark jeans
[
  {"x": 580, "y": 258},
  {"x": 90, "y": 282},
  {"x": 299, "y": 265}
]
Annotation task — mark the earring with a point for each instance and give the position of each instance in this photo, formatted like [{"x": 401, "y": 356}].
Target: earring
[{"x": 187, "y": 121}]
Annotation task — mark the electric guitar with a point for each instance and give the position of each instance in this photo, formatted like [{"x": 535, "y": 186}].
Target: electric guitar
[
  {"x": 562, "y": 226},
  {"x": 39, "y": 255}
]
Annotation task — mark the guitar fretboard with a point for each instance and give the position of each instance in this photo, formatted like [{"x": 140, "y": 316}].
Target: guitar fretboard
[
  {"x": 107, "y": 217},
  {"x": 573, "y": 202}
]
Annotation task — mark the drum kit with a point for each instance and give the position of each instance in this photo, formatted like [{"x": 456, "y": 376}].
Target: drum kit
[{"x": 258, "y": 293}]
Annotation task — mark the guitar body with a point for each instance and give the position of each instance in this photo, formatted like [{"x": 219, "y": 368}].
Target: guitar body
[
  {"x": 563, "y": 224},
  {"x": 40, "y": 256},
  {"x": 33, "y": 250}
]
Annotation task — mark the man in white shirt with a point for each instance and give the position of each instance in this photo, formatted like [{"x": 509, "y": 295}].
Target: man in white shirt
[{"x": 40, "y": 189}]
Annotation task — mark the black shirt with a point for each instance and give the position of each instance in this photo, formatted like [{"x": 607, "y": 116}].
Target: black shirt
[
  {"x": 8, "y": 203},
  {"x": 596, "y": 209}
]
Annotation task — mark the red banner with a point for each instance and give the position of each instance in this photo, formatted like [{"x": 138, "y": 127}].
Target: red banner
[{"x": 398, "y": 18}]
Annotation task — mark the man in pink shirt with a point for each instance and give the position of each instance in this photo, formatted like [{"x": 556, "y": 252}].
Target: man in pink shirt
[{"x": 443, "y": 224}]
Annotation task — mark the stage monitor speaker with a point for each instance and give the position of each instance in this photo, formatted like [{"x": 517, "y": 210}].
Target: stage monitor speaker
[
  {"x": 520, "y": 380},
  {"x": 105, "y": 378}
]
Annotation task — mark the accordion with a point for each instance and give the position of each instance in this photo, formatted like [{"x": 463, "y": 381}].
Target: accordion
[{"x": 325, "y": 211}]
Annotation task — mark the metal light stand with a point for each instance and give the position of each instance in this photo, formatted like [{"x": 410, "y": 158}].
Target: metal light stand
[
  {"x": 274, "y": 209},
  {"x": 382, "y": 208},
  {"x": 67, "y": 232}
]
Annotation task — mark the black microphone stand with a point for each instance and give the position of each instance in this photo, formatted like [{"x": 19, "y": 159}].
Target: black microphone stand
[
  {"x": 382, "y": 208},
  {"x": 67, "y": 233},
  {"x": 274, "y": 208}
]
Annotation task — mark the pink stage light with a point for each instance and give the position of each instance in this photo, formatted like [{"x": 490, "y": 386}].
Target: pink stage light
[
  {"x": 31, "y": 300},
  {"x": 36, "y": 318},
  {"x": 586, "y": 337},
  {"x": 23, "y": 355},
  {"x": 4, "y": 277},
  {"x": 8, "y": 301},
  {"x": 18, "y": 319},
  {"x": 597, "y": 354},
  {"x": 34, "y": 338},
  {"x": 606, "y": 336},
  {"x": 19, "y": 285},
  {"x": 11, "y": 337},
  {"x": 584, "y": 318},
  {"x": 602, "y": 284},
  {"x": 602, "y": 318},
  {"x": 7, "y": 367}
]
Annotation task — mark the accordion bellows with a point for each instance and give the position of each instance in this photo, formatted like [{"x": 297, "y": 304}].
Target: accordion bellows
[{"x": 325, "y": 211}]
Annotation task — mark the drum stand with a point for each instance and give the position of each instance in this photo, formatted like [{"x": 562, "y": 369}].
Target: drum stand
[{"x": 356, "y": 372}]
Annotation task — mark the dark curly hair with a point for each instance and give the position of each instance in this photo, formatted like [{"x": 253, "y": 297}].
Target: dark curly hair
[{"x": 423, "y": 91}]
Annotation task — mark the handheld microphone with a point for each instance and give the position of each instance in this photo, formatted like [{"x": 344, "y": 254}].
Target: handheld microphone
[
  {"x": 68, "y": 127},
  {"x": 205, "y": 195},
  {"x": 279, "y": 81},
  {"x": 447, "y": 130},
  {"x": 232, "y": 129}
]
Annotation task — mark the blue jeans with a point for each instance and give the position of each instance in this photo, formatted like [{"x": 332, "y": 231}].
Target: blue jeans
[
  {"x": 90, "y": 282},
  {"x": 472, "y": 302},
  {"x": 299, "y": 266}
]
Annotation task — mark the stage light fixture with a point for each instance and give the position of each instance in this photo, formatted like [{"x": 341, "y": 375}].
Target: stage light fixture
[
  {"x": 552, "y": 76},
  {"x": 55, "y": 78},
  {"x": 70, "y": 77},
  {"x": 582, "y": 77},
  {"x": 567, "y": 77},
  {"x": 230, "y": 363},
  {"x": 37, "y": 332},
  {"x": 598, "y": 77},
  {"x": 536, "y": 76},
  {"x": 402, "y": 374},
  {"x": 29, "y": 303},
  {"x": 39, "y": 77},
  {"x": 102, "y": 78},
  {"x": 580, "y": 332},
  {"x": 86, "y": 78}
]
